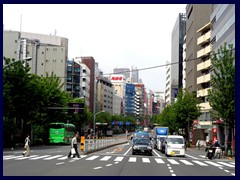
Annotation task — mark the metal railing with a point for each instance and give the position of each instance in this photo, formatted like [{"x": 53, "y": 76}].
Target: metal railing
[{"x": 91, "y": 145}]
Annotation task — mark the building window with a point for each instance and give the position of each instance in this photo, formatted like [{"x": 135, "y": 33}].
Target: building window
[{"x": 42, "y": 52}]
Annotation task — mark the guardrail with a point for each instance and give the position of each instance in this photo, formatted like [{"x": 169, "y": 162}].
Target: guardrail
[{"x": 91, "y": 145}]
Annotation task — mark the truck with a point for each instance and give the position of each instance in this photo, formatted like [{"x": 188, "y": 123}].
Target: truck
[{"x": 159, "y": 133}]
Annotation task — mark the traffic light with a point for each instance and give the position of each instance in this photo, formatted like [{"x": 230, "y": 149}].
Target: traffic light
[{"x": 76, "y": 108}]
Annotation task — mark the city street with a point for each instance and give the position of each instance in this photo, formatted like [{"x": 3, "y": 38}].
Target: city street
[{"x": 114, "y": 161}]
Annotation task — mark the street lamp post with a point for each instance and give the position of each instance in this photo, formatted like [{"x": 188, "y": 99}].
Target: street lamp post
[
  {"x": 94, "y": 117},
  {"x": 19, "y": 60}
]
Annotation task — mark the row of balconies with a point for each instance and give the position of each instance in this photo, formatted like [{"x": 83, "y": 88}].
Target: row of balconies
[
  {"x": 202, "y": 92},
  {"x": 204, "y": 51},
  {"x": 203, "y": 79},
  {"x": 204, "y": 65},
  {"x": 204, "y": 38}
]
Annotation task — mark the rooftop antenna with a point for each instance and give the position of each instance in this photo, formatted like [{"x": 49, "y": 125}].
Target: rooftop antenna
[
  {"x": 21, "y": 23},
  {"x": 55, "y": 32}
]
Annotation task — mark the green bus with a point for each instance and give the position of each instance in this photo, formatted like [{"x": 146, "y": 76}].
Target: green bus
[{"x": 61, "y": 132}]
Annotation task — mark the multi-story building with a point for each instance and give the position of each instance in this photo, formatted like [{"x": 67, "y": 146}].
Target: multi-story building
[
  {"x": 139, "y": 101},
  {"x": 158, "y": 102},
  {"x": 123, "y": 71},
  {"x": 197, "y": 16},
  {"x": 203, "y": 81},
  {"x": 223, "y": 25},
  {"x": 135, "y": 76},
  {"x": 90, "y": 63},
  {"x": 178, "y": 34},
  {"x": 73, "y": 79},
  {"x": 129, "y": 99},
  {"x": 119, "y": 83},
  {"x": 85, "y": 81},
  {"x": 104, "y": 95},
  {"x": 49, "y": 53},
  {"x": 117, "y": 104}
]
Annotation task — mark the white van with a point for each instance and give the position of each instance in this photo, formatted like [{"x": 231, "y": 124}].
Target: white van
[{"x": 174, "y": 146}]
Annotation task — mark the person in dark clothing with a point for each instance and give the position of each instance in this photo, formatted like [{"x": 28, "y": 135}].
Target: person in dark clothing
[
  {"x": 74, "y": 145},
  {"x": 216, "y": 144}
]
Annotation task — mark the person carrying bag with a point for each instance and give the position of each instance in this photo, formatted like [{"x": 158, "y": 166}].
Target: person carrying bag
[{"x": 74, "y": 148}]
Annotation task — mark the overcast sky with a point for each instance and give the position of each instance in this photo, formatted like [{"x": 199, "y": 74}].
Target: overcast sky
[{"x": 125, "y": 35}]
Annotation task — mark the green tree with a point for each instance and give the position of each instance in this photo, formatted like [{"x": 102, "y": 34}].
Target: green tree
[
  {"x": 222, "y": 93},
  {"x": 187, "y": 109}
]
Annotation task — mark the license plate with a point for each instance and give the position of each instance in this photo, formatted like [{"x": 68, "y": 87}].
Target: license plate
[
  {"x": 172, "y": 153},
  {"x": 142, "y": 150}
]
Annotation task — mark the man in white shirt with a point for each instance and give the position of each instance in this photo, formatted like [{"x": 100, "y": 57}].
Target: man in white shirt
[{"x": 74, "y": 145}]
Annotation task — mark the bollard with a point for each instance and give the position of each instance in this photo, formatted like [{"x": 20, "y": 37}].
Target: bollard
[{"x": 82, "y": 143}]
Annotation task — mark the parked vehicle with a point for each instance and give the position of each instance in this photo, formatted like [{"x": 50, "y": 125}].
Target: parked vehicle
[
  {"x": 174, "y": 145},
  {"x": 142, "y": 145},
  {"x": 159, "y": 132}
]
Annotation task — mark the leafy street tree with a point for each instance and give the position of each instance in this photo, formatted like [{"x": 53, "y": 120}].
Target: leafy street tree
[
  {"x": 26, "y": 98},
  {"x": 222, "y": 93}
]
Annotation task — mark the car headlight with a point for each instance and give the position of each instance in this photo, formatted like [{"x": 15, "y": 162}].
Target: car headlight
[
  {"x": 135, "y": 147},
  {"x": 149, "y": 147}
]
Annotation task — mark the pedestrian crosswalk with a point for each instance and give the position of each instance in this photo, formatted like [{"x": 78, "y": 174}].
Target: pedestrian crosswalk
[{"x": 130, "y": 159}]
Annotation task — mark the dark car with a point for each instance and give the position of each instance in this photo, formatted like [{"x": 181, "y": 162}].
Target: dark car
[{"x": 142, "y": 146}]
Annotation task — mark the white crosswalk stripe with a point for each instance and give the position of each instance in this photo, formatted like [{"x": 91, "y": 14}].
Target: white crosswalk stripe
[
  {"x": 40, "y": 157},
  {"x": 226, "y": 164},
  {"x": 21, "y": 158},
  {"x": 132, "y": 159},
  {"x": 92, "y": 158},
  {"x": 213, "y": 163},
  {"x": 158, "y": 160},
  {"x": 186, "y": 162},
  {"x": 105, "y": 158},
  {"x": 145, "y": 160},
  {"x": 172, "y": 161},
  {"x": 53, "y": 157},
  {"x": 200, "y": 163},
  {"x": 119, "y": 159}
]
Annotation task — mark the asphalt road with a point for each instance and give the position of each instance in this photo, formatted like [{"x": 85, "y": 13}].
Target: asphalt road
[{"x": 114, "y": 161}]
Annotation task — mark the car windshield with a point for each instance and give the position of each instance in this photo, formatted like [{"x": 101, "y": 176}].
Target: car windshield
[
  {"x": 142, "y": 141},
  {"x": 175, "y": 141}
]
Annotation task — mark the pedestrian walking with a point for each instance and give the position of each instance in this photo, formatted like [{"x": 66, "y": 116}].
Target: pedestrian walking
[
  {"x": 27, "y": 146},
  {"x": 74, "y": 145}
]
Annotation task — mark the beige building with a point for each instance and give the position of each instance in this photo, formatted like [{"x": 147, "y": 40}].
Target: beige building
[
  {"x": 197, "y": 16},
  {"x": 203, "y": 81},
  {"x": 49, "y": 53}
]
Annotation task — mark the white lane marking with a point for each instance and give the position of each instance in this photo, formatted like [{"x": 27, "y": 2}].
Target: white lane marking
[
  {"x": 132, "y": 159},
  {"x": 97, "y": 167},
  {"x": 213, "y": 163},
  {"x": 226, "y": 164},
  {"x": 145, "y": 160},
  {"x": 186, "y": 162},
  {"x": 191, "y": 156},
  {"x": 202, "y": 156},
  {"x": 233, "y": 163},
  {"x": 109, "y": 165},
  {"x": 119, "y": 159},
  {"x": 233, "y": 174},
  {"x": 105, "y": 158},
  {"x": 92, "y": 158},
  {"x": 173, "y": 174},
  {"x": 60, "y": 163},
  {"x": 156, "y": 153},
  {"x": 169, "y": 167},
  {"x": 200, "y": 163},
  {"x": 226, "y": 170},
  {"x": 127, "y": 151},
  {"x": 53, "y": 157},
  {"x": 40, "y": 157},
  {"x": 116, "y": 162},
  {"x": 171, "y": 171},
  {"x": 159, "y": 161},
  {"x": 172, "y": 161},
  {"x": 27, "y": 157}
]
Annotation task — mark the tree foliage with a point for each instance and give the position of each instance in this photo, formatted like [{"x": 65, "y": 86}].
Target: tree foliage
[{"x": 222, "y": 93}]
